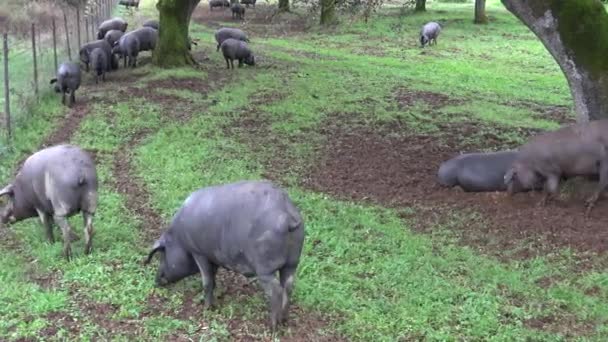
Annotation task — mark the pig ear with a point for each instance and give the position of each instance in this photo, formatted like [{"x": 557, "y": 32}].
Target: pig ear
[
  {"x": 158, "y": 245},
  {"x": 8, "y": 190},
  {"x": 53, "y": 80}
]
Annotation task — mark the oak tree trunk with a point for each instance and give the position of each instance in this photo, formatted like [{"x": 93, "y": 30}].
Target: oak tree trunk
[
  {"x": 576, "y": 35},
  {"x": 420, "y": 6},
  {"x": 328, "y": 12},
  {"x": 172, "y": 46},
  {"x": 480, "y": 12},
  {"x": 283, "y": 5}
]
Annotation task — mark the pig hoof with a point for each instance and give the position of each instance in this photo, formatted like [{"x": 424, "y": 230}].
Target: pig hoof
[{"x": 67, "y": 253}]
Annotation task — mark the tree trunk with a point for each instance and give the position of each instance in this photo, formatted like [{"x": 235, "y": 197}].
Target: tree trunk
[
  {"x": 172, "y": 46},
  {"x": 283, "y": 5},
  {"x": 420, "y": 5},
  {"x": 480, "y": 12},
  {"x": 328, "y": 12},
  {"x": 576, "y": 35}
]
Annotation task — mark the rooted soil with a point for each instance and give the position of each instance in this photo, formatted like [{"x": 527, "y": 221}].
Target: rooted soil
[
  {"x": 366, "y": 164},
  {"x": 261, "y": 21}
]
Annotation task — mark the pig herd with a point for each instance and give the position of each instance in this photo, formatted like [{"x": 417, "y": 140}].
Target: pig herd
[
  {"x": 114, "y": 43},
  {"x": 253, "y": 227}
]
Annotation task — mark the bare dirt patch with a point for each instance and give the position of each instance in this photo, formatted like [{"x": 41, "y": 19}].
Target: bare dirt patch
[
  {"x": 407, "y": 98},
  {"x": 369, "y": 165},
  {"x": 68, "y": 124},
  {"x": 261, "y": 21}
]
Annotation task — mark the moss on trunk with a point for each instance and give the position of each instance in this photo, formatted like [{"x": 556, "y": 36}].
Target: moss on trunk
[
  {"x": 328, "y": 12},
  {"x": 583, "y": 28},
  {"x": 420, "y": 5},
  {"x": 576, "y": 34},
  {"x": 174, "y": 20},
  {"x": 480, "y": 12},
  {"x": 283, "y": 5}
]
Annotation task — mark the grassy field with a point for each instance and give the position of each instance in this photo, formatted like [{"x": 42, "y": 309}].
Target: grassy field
[{"x": 397, "y": 260}]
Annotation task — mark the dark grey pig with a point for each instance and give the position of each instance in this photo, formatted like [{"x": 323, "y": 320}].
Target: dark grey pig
[
  {"x": 238, "y": 11},
  {"x": 85, "y": 52},
  {"x": 250, "y": 227},
  {"x": 248, "y": 2},
  {"x": 147, "y": 38},
  {"x": 477, "y": 172},
  {"x": 111, "y": 24},
  {"x": 228, "y": 32},
  {"x": 128, "y": 48},
  {"x": 100, "y": 62},
  {"x": 54, "y": 184},
  {"x": 429, "y": 33},
  {"x": 571, "y": 151},
  {"x": 113, "y": 36},
  {"x": 67, "y": 80},
  {"x": 218, "y": 3},
  {"x": 153, "y": 23},
  {"x": 236, "y": 49}
]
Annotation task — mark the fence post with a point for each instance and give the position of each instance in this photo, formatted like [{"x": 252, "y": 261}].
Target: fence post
[
  {"x": 67, "y": 35},
  {"x": 78, "y": 25},
  {"x": 35, "y": 61},
  {"x": 86, "y": 27},
  {"x": 7, "y": 107},
  {"x": 55, "y": 43}
]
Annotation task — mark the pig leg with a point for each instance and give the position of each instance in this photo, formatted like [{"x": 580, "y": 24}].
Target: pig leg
[
  {"x": 274, "y": 292},
  {"x": 65, "y": 229},
  {"x": 590, "y": 203},
  {"x": 208, "y": 272},
  {"x": 88, "y": 231},
  {"x": 48, "y": 227},
  {"x": 286, "y": 276},
  {"x": 551, "y": 187}
]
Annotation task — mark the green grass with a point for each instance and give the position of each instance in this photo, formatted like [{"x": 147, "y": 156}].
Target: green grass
[{"x": 362, "y": 265}]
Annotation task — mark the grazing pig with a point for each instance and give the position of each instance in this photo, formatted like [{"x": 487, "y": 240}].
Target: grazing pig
[
  {"x": 54, "y": 184},
  {"x": 85, "y": 52},
  {"x": 67, "y": 80},
  {"x": 218, "y": 3},
  {"x": 147, "y": 38},
  {"x": 99, "y": 61},
  {"x": 477, "y": 172},
  {"x": 429, "y": 33},
  {"x": 111, "y": 24},
  {"x": 228, "y": 32},
  {"x": 128, "y": 48},
  {"x": 238, "y": 11},
  {"x": 113, "y": 36},
  {"x": 236, "y": 49},
  {"x": 571, "y": 151},
  {"x": 153, "y": 23},
  {"x": 250, "y": 227},
  {"x": 248, "y": 2},
  {"x": 129, "y": 3}
]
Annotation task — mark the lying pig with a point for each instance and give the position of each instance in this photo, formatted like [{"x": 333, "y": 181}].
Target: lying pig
[
  {"x": 250, "y": 227},
  {"x": 571, "y": 151},
  {"x": 54, "y": 184},
  {"x": 477, "y": 172}
]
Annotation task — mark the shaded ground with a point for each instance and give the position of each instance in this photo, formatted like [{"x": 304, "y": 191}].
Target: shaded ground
[{"x": 261, "y": 21}]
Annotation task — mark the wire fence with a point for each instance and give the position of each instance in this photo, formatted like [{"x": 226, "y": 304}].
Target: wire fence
[{"x": 30, "y": 60}]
